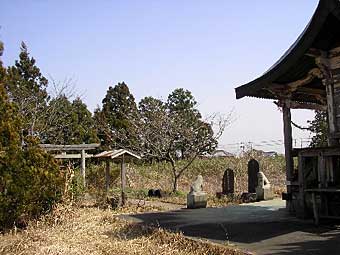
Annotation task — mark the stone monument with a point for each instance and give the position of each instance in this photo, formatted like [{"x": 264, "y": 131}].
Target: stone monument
[
  {"x": 197, "y": 198},
  {"x": 228, "y": 182},
  {"x": 253, "y": 169},
  {"x": 263, "y": 189}
]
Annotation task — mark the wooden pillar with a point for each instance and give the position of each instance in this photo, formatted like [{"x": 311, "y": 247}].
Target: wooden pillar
[
  {"x": 82, "y": 168},
  {"x": 123, "y": 180},
  {"x": 288, "y": 142},
  {"x": 107, "y": 175},
  {"x": 331, "y": 112},
  {"x": 326, "y": 64}
]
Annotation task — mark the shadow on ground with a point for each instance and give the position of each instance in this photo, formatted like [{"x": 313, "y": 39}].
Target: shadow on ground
[{"x": 263, "y": 228}]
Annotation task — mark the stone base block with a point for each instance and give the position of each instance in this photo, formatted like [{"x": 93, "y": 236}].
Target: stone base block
[
  {"x": 264, "y": 194},
  {"x": 247, "y": 197},
  {"x": 197, "y": 201}
]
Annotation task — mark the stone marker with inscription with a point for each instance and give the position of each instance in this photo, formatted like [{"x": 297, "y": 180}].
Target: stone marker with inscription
[
  {"x": 253, "y": 169},
  {"x": 228, "y": 182}
]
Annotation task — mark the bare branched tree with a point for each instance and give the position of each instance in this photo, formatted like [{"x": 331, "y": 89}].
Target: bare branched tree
[{"x": 172, "y": 136}]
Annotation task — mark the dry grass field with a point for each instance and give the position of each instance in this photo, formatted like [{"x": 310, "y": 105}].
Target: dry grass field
[
  {"x": 87, "y": 228},
  {"x": 90, "y": 230},
  {"x": 159, "y": 176}
]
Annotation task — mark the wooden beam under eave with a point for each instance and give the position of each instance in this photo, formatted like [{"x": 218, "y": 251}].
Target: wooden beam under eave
[
  {"x": 314, "y": 53},
  {"x": 334, "y": 52},
  {"x": 312, "y": 91},
  {"x": 312, "y": 74},
  {"x": 297, "y": 105},
  {"x": 318, "y": 94}
]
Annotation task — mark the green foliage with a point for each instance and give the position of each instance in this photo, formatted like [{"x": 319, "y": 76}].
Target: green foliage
[
  {"x": 9, "y": 121},
  {"x": 319, "y": 127},
  {"x": 60, "y": 121},
  {"x": 30, "y": 183},
  {"x": 83, "y": 124},
  {"x": 181, "y": 100},
  {"x": 77, "y": 188},
  {"x": 29, "y": 178},
  {"x": 151, "y": 108},
  {"x": 193, "y": 134},
  {"x": 178, "y": 193},
  {"x": 69, "y": 123},
  {"x": 118, "y": 113}
]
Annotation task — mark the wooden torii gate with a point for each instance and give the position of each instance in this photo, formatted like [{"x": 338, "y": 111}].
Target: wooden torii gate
[
  {"x": 117, "y": 156},
  {"x": 73, "y": 147}
]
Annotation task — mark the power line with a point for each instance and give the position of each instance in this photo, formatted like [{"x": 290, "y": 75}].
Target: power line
[{"x": 297, "y": 142}]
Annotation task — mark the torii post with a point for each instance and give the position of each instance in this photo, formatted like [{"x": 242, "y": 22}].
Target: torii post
[{"x": 73, "y": 147}]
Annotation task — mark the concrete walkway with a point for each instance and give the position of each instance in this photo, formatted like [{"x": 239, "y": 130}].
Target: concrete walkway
[{"x": 261, "y": 228}]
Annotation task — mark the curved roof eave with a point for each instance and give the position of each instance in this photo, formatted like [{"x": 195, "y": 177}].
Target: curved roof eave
[{"x": 296, "y": 51}]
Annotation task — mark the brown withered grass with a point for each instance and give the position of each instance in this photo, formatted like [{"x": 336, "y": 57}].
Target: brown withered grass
[
  {"x": 89, "y": 230},
  {"x": 159, "y": 176}
]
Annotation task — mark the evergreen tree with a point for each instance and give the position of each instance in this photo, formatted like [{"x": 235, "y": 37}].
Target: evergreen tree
[
  {"x": 103, "y": 130},
  {"x": 84, "y": 127},
  {"x": 183, "y": 102},
  {"x": 30, "y": 180},
  {"x": 59, "y": 121},
  {"x": 182, "y": 106},
  {"x": 69, "y": 123},
  {"x": 27, "y": 89},
  {"x": 120, "y": 111},
  {"x": 319, "y": 126}
]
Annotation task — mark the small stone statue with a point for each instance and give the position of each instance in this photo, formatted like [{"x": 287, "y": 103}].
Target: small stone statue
[
  {"x": 196, "y": 187},
  {"x": 263, "y": 189},
  {"x": 262, "y": 180},
  {"x": 197, "y": 198}
]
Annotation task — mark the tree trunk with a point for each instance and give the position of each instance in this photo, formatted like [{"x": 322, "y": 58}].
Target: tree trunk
[{"x": 175, "y": 187}]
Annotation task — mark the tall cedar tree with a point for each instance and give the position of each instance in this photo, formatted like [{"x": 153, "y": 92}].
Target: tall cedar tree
[
  {"x": 27, "y": 89},
  {"x": 30, "y": 180},
  {"x": 118, "y": 114},
  {"x": 84, "y": 127}
]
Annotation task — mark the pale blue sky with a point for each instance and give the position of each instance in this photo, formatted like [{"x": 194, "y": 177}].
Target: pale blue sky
[{"x": 208, "y": 47}]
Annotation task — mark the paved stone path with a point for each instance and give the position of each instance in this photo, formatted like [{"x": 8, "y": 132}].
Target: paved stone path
[{"x": 261, "y": 228}]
